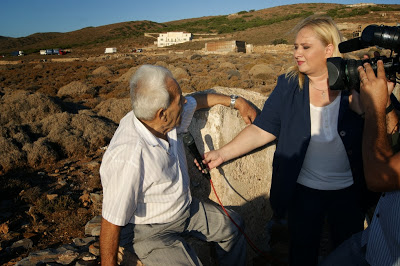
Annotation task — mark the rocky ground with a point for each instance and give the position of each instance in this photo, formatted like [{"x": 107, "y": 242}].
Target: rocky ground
[{"x": 58, "y": 115}]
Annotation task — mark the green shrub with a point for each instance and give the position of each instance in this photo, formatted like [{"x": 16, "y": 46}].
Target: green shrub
[{"x": 279, "y": 41}]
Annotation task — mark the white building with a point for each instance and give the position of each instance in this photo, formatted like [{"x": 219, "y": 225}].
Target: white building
[
  {"x": 171, "y": 38},
  {"x": 110, "y": 50}
]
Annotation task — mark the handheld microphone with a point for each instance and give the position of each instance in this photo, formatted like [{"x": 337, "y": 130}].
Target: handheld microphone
[{"x": 188, "y": 140}]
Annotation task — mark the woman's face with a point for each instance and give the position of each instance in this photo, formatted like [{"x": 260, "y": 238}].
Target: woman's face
[{"x": 310, "y": 53}]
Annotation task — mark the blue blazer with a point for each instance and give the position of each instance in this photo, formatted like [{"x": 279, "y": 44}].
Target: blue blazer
[{"x": 286, "y": 115}]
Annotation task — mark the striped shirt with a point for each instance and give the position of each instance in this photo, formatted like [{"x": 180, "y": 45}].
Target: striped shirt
[
  {"x": 382, "y": 237},
  {"x": 145, "y": 179}
]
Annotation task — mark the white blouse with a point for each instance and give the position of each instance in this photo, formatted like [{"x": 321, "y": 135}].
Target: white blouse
[{"x": 326, "y": 165}]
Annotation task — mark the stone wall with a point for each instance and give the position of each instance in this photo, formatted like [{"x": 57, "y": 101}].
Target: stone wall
[{"x": 225, "y": 47}]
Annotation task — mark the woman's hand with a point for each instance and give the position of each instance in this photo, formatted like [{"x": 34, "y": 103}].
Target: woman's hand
[{"x": 212, "y": 159}]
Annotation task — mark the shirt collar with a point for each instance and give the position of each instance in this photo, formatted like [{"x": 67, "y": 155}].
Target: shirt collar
[{"x": 148, "y": 137}]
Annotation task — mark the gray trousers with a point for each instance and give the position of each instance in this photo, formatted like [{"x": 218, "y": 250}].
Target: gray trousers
[{"x": 164, "y": 244}]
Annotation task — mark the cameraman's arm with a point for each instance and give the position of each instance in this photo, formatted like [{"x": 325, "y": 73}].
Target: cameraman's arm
[
  {"x": 381, "y": 166},
  {"x": 391, "y": 115}
]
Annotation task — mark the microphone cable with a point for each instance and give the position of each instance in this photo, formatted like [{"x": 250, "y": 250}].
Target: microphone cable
[
  {"x": 270, "y": 258},
  {"x": 190, "y": 143}
]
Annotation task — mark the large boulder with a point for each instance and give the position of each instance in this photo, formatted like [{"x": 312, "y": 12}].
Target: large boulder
[
  {"x": 262, "y": 70},
  {"x": 242, "y": 184}
]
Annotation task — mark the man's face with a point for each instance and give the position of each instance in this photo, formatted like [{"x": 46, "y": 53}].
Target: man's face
[{"x": 174, "y": 111}]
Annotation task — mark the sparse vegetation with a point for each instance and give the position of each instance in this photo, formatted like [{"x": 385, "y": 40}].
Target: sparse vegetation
[
  {"x": 60, "y": 204},
  {"x": 346, "y": 13},
  {"x": 224, "y": 24},
  {"x": 279, "y": 41}
]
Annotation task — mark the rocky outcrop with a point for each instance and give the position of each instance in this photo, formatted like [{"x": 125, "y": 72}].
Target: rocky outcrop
[{"x": 37, "y": 129}]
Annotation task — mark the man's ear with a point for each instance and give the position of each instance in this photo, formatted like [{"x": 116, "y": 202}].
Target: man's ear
[{"x": 161, "y": 115}]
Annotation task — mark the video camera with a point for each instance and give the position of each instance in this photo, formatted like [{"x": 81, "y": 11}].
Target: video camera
[{"x": 343, "y": 73}]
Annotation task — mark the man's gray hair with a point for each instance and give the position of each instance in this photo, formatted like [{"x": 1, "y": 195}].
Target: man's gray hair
[{"x": 148, "y": 91}]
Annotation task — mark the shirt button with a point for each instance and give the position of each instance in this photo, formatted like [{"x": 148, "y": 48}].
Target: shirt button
[
  {"x": 377, "y": 215},
  {"x": 349, "y": 152},
  {"x": 342, "y": 133},
  {"x": 383, "y": 194}
]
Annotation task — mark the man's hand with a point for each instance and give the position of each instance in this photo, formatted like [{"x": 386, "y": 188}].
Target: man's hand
[
  {"x": 246, "y": 110},
  {"x": 374, "y": 89}
]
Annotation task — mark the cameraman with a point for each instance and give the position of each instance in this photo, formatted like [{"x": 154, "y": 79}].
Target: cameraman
[{"x": 379, "y": 244}]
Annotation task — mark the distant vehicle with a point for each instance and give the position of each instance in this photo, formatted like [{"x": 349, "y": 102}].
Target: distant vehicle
[
  {"x": 17, "y": 53},
  {"x": 55, "y": 51},
  {"x": 139, "y": 50},
  {"x": 110, "y": 50}
]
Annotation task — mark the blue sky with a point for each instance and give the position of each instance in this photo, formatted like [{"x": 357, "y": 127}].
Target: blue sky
[{"x": 19, "y": 18}]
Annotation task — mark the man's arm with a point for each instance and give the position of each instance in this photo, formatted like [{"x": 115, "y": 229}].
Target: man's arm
[
  {"x": 109, "y": 242},
  {"x": 381, "y": 166},
  {"x": 210, "y": 99}
]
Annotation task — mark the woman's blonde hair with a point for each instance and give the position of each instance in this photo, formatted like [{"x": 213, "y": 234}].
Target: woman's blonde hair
[{"x": 326, "y": 31}]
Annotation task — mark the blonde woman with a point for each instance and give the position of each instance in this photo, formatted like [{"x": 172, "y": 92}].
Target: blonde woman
[{"x": 317, "y": 167}]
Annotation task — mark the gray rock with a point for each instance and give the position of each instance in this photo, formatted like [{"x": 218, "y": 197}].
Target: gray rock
[
  {"x": 80, "y": 242},
  {"x": 92, "y": 224},
  {"x": 95, "y": 249},
  {"x": 67, "y": 257},
  {"x": 87, "y": 256},
  {"x": 23, "y": 243},
  {"x": 86, "y": 263}
]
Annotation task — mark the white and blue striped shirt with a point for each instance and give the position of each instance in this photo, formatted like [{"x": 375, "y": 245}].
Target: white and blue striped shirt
[
  {"x": 144, "y": 178},
  {"x": 382, "y": 237}
]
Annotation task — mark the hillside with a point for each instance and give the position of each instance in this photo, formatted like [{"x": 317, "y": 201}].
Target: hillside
[{"x": 255, "y": 26}]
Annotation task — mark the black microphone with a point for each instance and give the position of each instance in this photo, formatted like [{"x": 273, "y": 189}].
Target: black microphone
[
  {"x": 188, "y": 140},
  {"x": 351, "y": 45}
]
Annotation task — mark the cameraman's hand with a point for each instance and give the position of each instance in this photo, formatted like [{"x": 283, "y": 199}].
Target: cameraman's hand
[{"x": 374, "y": 89}]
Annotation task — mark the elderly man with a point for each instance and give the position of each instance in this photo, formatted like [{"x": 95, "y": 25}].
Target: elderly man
[
  {"x": 147, "y": 203},
  {"x": 379, "y": 244}
]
